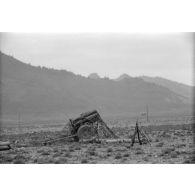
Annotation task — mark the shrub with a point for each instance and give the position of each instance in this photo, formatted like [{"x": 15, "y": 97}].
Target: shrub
[
  {"x": 126, "y": 155},
  {"x": 173, "y": 155},
  {"x": 84, "y": 161},
  {"x": 139, "y": 152},
  {"x": 118, "y": 156},
  {"x": 67, "y": 154},
  {"x": 71, "y": 150},
  {"x": 19, "y": 161},
  {"x": 186, "y": 161},
  {"x": 35, "y": 160},
  {"x": 181, "y": 145},
  {"x": 160, "y": 144},
  {"x": 57, "y": 154},
  {"x": 55, "y": 149},
  {"x": 40, "y": 150},
  {"x": 109, "y": 150},
  {"x": 92, "y": 153},
  {"x": 145, "y": 158},
  {"x": 166, "y": 151},
  {"x": 77, "y": 148},
  {"x": 45, "y": 153},
  {"x": 108, "y": 154}
]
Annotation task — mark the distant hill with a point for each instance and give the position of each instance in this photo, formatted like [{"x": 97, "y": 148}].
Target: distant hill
[
  {"x": 40, "y": 93},
  {"x": 123, "y": 76},
  {"x": 94, "y": 76},
  {"x": 178, "y": 88}
]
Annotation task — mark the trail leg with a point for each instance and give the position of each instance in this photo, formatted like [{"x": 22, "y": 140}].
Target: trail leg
[{"x": 140, "y": 142}]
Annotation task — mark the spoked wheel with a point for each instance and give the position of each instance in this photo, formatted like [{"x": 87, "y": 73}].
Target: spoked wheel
[{"x": 86, "y": 132}]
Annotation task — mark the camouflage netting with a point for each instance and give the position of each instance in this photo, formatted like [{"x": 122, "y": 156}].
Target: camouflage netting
[
  {"x": 89, "y": 125},
  {"x": 90, "y": 131},
  {"x": 103, "y": 132}
]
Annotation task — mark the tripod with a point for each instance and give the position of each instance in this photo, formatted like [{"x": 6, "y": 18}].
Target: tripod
[{"x": 139, "y": 133}]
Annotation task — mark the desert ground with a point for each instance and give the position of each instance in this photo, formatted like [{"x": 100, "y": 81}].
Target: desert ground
[{"x": 171, "y": 142}]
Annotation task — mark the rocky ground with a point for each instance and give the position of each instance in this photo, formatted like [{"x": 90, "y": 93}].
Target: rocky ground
[{"x": 169, "y": 144}]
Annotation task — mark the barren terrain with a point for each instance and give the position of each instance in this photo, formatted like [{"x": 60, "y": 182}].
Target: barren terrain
[{"x": 170, "y": 143}]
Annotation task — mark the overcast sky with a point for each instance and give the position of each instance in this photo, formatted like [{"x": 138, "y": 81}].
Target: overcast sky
[{"x": 168, "y": 55}]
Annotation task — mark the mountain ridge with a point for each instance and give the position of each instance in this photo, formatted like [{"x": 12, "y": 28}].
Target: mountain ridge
[
  {"x": 38, "y": 92},
  {"x": 179, "y": 88}
]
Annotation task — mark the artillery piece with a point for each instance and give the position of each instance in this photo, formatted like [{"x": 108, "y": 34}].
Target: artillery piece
[{"x": 89, "y": 125}]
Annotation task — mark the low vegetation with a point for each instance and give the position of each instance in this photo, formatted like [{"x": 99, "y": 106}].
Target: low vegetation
[{"x": 170, "y": 144}]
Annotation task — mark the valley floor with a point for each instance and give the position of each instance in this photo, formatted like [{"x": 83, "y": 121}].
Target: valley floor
[{"x": 170, "y": 144}]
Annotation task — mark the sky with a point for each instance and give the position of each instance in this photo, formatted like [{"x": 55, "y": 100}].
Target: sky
[{"x": 168, "y": 55}]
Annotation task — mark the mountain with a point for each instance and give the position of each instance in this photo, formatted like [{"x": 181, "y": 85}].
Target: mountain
[
  {"x": 39, "y": 93},
  {"x": 178, "y": 88},
  {"x": 94, "y": 76},
  {"x": 123, "y": 76}
]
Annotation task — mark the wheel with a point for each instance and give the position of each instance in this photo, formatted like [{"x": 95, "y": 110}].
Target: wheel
[{"x": 86, "y": 132}]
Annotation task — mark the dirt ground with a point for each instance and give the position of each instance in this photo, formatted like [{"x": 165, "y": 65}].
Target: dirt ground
[{"x": 169, "y": 144}]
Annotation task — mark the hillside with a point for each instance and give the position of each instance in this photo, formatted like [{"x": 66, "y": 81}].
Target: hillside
[
  {"x": 40, "y": 93},
  {"x": 178, "y": 88}
]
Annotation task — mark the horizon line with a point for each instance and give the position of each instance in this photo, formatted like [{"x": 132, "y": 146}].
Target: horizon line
[{"x": 100, "y": 77}]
